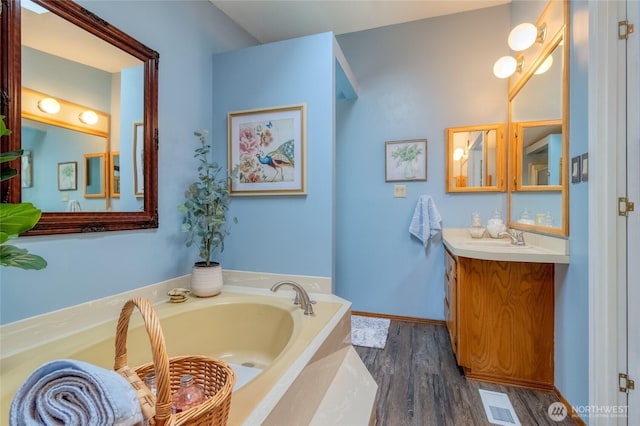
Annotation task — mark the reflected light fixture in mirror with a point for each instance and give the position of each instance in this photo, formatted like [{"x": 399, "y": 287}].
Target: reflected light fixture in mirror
[
  {"x": 49, "y": 105},
  {"x": 458, "y": 154},
  {"x": 544, "y": 67},
  {"x": 88, "y": 117}
]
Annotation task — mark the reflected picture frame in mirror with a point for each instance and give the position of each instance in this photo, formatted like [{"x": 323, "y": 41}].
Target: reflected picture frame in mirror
[
  {"x": 114, "y": 174},
  {"x": 476, "y": 159},
  {"x": 95, "y": 176},
  {"x": 538, "y": 108},
  {"x": 84, "y": 221}
]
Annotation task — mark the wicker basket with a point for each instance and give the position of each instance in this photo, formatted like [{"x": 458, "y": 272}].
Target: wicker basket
[{"x": 214, "y": 376}]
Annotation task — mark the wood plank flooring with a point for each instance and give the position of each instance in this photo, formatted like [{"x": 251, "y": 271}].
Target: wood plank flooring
[{"x": 420, "y": 383}]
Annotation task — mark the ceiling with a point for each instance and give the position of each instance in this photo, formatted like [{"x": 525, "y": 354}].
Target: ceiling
[
  {"x": 274, "y": 20},
  {"x": 49, "y": 33}
]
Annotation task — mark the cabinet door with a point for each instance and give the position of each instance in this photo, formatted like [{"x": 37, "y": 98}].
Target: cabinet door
[
  {"x": 450, "y": 301},
  {"x": 506, "y": 315}
]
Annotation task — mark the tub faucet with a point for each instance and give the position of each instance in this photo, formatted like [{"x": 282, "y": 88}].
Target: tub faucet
[
  {"x": 517, "y": 238},
  {"x": 302, "y": 297}
]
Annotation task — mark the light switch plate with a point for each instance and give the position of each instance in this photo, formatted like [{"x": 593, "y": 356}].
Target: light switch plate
[{"x": 400, "y": 191}]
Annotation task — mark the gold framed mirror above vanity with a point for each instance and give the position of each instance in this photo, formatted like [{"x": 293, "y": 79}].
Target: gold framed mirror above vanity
[
  {"x": 538, "y": 191},
  {"x": 62, "y": 51},
  {"x": 476, "y": 160}
]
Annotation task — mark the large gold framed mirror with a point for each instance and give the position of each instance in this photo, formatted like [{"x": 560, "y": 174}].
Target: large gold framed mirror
[
  {"x": 476, "y": 160},
  {"x": 74, "y": 56},
  {"x": 538, "y": 195}
]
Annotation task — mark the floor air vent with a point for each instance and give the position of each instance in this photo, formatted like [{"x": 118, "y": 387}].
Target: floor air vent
[{"x": 498, "y": 408}]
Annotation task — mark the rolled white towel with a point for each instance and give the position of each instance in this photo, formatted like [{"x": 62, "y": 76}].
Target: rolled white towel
[{"x": 70, "y": 392}]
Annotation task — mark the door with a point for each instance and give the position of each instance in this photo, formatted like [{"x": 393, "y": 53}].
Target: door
[{"x": 633, "y": 218}]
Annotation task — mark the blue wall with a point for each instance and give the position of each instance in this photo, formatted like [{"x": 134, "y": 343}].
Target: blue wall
[
  {"x": 572, "y": 281},
  {"x": 412, "y": 86},
  {"x": 282, "y": 234},
  {"x": 87, "y": 267}
]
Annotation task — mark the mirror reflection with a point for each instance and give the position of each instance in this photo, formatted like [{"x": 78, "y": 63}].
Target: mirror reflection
[
  {"x": 475, "y": 158},
  {"x": 51, "y": 145},
  {"x": 541, "y": 152},
  {"x": 94, "y": 175},
  {"x": 83, "y": 69},
  {"x": 537, "y": 197},
  {"x": 69, "y": 53},
  {"x": 114, "y": 174}
]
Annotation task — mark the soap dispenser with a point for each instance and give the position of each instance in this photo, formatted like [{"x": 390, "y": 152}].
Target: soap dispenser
[{"x": 496, "y": 225}]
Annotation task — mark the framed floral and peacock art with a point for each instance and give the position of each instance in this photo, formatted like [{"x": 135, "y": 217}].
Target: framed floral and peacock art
[
  {"x": 405, "y": 160},
  {"x": 267, "y": 149}
]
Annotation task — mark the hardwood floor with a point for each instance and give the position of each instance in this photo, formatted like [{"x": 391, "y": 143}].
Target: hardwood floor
[{"x": 420, "y": 383}]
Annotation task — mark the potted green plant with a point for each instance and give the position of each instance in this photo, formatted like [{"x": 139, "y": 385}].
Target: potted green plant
[
  {"x": 205, "y": 208},
  {"x": 16, "y": 219}
]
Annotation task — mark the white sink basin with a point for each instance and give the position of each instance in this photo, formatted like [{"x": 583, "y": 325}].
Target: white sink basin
[{"x": 498, "y": 243}]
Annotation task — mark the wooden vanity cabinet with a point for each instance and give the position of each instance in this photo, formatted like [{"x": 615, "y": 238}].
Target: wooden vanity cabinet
[
  {"x": 500, "y": 316},
  {"x": 450, "y": 301}
]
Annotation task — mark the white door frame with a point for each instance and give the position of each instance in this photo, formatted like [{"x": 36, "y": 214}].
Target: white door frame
[
  {"x": 602, "y": 113},
  {"x": 633, "y": 220},
  {"x": 605, "y": 276}
]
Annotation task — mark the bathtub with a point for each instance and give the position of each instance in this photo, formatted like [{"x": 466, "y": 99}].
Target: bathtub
[{"x": 291, "y": 368}]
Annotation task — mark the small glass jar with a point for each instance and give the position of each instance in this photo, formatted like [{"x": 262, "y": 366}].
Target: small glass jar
[
  {"x": 151, "y": 382},
  {"x": 188, "y": 395}
]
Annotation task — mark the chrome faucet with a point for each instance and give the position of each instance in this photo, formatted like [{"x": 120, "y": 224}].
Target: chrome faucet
[
  {"x": 517, "y": 238},
  {"x": 302, "y": 297}
]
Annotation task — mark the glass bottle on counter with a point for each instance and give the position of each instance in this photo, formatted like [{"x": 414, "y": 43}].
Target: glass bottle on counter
[{"x": 188, "y": 395}]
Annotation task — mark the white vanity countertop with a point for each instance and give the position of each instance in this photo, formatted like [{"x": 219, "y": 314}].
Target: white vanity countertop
[{"x": 537, "y": 249}]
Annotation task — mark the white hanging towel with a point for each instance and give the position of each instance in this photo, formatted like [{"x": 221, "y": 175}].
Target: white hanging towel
[{"x": 426, "y": 221}]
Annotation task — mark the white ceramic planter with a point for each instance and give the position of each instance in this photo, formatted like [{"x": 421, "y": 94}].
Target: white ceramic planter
[{"x": 206, "y": 281}]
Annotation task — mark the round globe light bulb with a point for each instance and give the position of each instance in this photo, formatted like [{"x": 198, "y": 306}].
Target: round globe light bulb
[
  {"x": 544, "y": 67},
  {"x": 522, "y": 36},
  {"x": 505, "y": 67},
  {"x": 89, "y": 117},
  {"x": 457, "y": 154},
  {"x": 49, "y": 105}
]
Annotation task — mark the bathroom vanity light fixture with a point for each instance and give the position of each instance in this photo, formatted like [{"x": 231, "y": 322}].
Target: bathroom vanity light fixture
[
  {"x": 507, "y": 65},
  {"x": 49, "y": 105},
  {"x": 521, "y": 37},
  {"x": 88, "y": 117},
  {"x": 524, "y": 35}
]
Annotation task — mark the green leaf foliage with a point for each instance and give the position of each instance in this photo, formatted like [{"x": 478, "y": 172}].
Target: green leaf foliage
[
  {"x": 3, "y": 128},
  {"x": 16, "y": 219},
  {"x": 20, "y": 258},
  {"x": 206, "y": 204},
  {"x": 9, "y": 172}
]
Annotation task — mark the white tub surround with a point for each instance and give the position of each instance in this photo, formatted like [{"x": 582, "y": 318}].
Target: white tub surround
[
  {"x": 24, "y": 334},
  {"x": 265, "y": 280},
  {"x": 317, "y": 367},
  {"x": 538, "y": 248}
]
